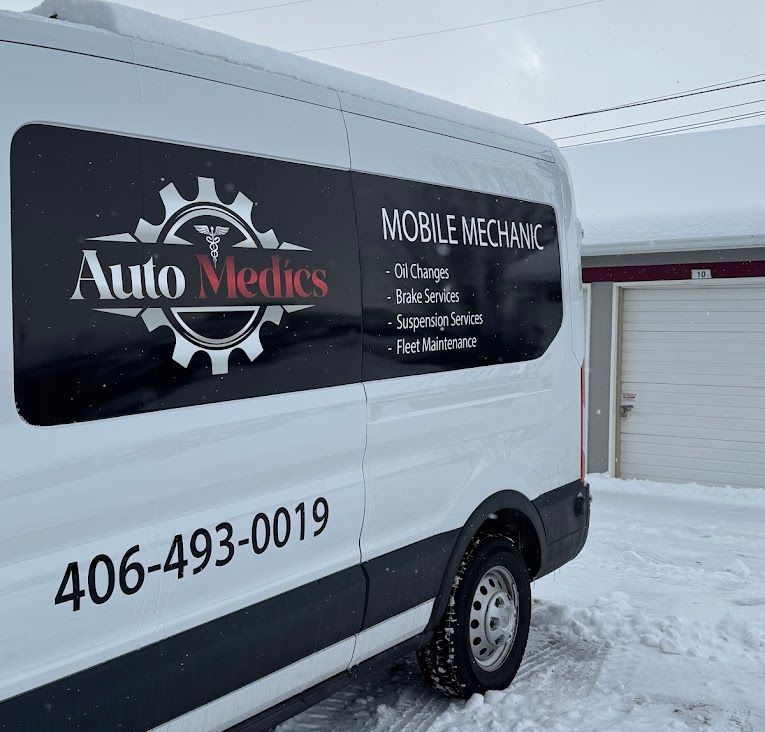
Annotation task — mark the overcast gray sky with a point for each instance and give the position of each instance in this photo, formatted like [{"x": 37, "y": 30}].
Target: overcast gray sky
[{"x": 581, "y": 57}]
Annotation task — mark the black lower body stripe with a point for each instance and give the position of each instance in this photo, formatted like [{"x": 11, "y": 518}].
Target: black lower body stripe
[
  {"x": 406, "y": 577},
  {"x": 155, "y": 684},
  {"x": 152, "y": 685}
]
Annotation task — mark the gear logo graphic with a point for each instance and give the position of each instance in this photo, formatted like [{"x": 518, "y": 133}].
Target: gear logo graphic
[{"x": 206, "y": 222}]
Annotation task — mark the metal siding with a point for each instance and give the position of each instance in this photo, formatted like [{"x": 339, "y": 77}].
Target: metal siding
[{"x": 695, "y": 358}]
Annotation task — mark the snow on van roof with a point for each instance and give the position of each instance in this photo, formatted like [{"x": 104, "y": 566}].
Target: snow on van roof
[
  {"x": 145, "y": 26},
  {"x": 701, "y": 190}
]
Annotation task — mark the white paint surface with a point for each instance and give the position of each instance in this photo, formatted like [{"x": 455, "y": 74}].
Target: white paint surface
[
  {"x": 144, "y": 26},
  {"x": 391, "y": 632},
  {"x": 438, "y": 444},
  {"x": 142, "y": 479}
]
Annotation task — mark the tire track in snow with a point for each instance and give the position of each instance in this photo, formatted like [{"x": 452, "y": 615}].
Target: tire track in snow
[
  {"x": 414, "y": 714},
  {"x": 391, "y": 700},
  {"x": 555, "y": 668}
]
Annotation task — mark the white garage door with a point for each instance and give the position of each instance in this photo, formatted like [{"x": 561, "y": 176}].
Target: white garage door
[{"x": 692, "y": 386}]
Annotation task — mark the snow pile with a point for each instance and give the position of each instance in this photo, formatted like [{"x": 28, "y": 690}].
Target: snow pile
[
  {"x": 691, "y": 492},
  {"x": 657, "y": 192},
  {"x": 615, "y": 620},
  {"x": 145, "y": 26}
]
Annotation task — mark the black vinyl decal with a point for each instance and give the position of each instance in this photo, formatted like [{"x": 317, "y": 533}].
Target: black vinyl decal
[
  {"x": 149, "y": 275},
  {"x": 453, "y": 279}
]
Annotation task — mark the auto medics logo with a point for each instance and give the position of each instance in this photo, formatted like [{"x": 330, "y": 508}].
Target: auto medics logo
[{"x": 210, "y": 296}]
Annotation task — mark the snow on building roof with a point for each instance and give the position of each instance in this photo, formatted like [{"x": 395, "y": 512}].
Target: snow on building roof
[
  {"x": 144, "y": 26},
  {"x": 702, "y": 190}
]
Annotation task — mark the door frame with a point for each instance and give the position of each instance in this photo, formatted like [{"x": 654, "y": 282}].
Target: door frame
[
  {"x": 587, "y": 287},
  {"x": 616, "y": 342}
]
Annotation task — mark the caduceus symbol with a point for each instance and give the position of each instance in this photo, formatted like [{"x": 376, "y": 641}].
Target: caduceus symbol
[{"x": 212, "y": 236}]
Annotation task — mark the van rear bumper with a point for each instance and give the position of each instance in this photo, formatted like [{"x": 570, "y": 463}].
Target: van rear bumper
[{"x": 565, "y": 516}]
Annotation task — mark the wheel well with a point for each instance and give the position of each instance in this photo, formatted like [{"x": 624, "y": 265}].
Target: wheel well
[
  {"x": 507, "y": 513},
  {"x": 517, "y": 527}
]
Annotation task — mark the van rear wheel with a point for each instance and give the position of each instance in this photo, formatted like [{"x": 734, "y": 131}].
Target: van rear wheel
[{"x": 480, "y": 641}]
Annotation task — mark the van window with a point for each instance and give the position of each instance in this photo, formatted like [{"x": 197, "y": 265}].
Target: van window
[
  {"x": 149, "y": 275},
  {"x": 452, "y": 278}
]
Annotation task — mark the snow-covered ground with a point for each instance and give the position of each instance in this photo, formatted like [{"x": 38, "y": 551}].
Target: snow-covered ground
[{"x": 659, "y": 624}]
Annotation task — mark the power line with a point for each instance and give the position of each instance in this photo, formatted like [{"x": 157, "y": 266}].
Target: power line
[
  {"x": 667, "y": 98},
  {"x": 247, "y": 10},
  {"x": 708, "y": 123},
  {"x": 661, "y": 119},
  {"x": 670, "y": 130},
  {"x": 452, "y": 30}
]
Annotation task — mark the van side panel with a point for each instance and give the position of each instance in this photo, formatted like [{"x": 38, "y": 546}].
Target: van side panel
[
  {"x": 198, "y": 524},
  {"x": 87, "y": 492},
  {"x": 440, "y": 443}
]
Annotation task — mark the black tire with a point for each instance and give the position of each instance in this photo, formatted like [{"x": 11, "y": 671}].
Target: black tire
[{"x": 447, "y": 661}]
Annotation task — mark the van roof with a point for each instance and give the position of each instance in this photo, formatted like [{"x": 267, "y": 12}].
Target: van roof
[{"x": 113, "y": 31}]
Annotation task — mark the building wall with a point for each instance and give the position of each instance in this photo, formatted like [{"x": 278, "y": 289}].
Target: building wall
[
  {"x": 599, "y": 383},
  {"x": 601, "y": 310}
]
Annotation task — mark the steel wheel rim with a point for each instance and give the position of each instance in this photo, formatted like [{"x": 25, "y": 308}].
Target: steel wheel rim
[{"x": 493, "y": 622}]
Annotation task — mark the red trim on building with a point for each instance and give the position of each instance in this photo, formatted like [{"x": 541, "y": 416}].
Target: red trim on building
[{"x": 654, "y": 272}]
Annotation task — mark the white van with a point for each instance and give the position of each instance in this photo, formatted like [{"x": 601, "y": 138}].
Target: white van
[{"x": 290, "y": 379}]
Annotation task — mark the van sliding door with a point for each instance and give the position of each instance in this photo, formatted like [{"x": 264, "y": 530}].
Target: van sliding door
[
  {"x": 462, "y": 305},
  {"x": 183, "y": 502}
]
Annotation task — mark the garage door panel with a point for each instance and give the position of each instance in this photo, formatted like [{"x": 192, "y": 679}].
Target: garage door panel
[
  {"x": 646, "y": 370},
  {"x": 706, "y": 352},
  {"x": 679, "y": 443},
  {"x": 651, "y": 450},
  {"x": 680, "y": 343},
  {"x": 689, "y": 339},
  {"x": 693, "y": 362},
  {"x": 713, "y": 363},
  {"x": 690, "y": 353},
  {"x": 699, "y": 293},
  {"x": 712, "y": 380},
  {"x": 684, "y": 474},
  {"x": 736, "y": 433},
  {"x": 721, "y": 396},
  {"x": 695, "y": 307},
  {"x": 728, "y": 467},
  {"x": 718, "y": 380},
  {"x": 681, "y": 410},
  {"x": 644, "y": 321},
  {"x": 700, "y": 326}
]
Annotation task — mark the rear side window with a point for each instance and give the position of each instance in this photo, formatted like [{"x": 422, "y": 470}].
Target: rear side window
[
  {"x": 453, "y": 279},
  {"x": 148, "y": 275}
]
